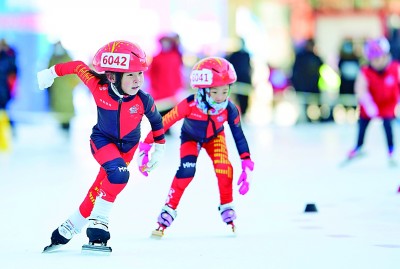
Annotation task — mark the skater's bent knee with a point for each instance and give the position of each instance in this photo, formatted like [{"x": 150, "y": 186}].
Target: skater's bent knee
[
  {"x": 187, "y": 167},
  {"x": 118, "y": 172}
]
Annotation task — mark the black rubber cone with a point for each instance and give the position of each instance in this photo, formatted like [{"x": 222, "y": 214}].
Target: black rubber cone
[{"x": 310, "y": 208}]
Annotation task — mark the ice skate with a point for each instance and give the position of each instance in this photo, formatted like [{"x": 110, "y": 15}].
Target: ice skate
[
  {"x": 165, "y": 220},
  {"x": 351, "y": 156},
  {"x": 60, "y": 236},
  {"x": 232, "y": 226},
  {"x": 98, "y": 236},
  {"x": 159, "y": 232},
  {"x": 391, "y": 160},
  {"x": 228, "y": 215}
]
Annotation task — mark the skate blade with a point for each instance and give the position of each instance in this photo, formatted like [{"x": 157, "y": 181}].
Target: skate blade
[
  {"x": 96, "y": 249},
  {"x": 234, "y": 231},
  {"x": 348, "y": 160},
  {"x": 157, "y": 234},
  {"x": 51, "y": 248}
]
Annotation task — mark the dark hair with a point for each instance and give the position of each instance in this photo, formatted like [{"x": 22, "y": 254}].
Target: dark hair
[
  {"x": 104, "y": 80},
  {"x": 102, "y": 77}
]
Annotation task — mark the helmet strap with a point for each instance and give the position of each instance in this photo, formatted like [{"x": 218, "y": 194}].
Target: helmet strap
[
  {"x": 116, "y": 91},
  {"x": 115, "y": 79},
  {"x": 204, "y": 98}
]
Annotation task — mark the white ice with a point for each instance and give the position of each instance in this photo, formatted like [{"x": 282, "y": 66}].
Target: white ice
[{"x": 46, "y": 175}]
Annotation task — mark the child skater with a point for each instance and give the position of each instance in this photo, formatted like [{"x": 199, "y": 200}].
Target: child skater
[
  {"x": 377, "y": 89},
  {"x": 204, "y": 114},
  {"x": 121, "y": 104}
]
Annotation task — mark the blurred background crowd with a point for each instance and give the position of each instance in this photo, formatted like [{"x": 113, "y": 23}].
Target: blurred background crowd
[{"x": 296, "y": 60}]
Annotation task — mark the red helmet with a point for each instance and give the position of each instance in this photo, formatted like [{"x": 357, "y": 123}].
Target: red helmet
[
  {"x": 120, "y": 56},
  {"x": 212, "y": 72}
]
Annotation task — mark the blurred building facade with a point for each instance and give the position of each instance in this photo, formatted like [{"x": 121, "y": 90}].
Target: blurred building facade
[{"x": 271, "y": 29}]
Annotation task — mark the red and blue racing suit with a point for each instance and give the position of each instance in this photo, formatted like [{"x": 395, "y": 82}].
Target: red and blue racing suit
[
  {"x": 115, "y": 136},
  {"x": 200, "y": 130}
]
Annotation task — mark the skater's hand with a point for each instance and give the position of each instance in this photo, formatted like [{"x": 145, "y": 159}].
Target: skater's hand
[
  {"x": 143, "y": 158},
  {"x": 155, "y": 156},
  {"x": 372, "y": 111},
  {"x": 46, "y": 77},
  {"x": 369, "y": 105},
  {"x": 244, "y": 179}
]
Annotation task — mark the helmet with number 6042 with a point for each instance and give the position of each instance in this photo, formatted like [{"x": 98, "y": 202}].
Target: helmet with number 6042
[
  {"x": 212, "y": 72},
  {"x": 377, "y": 47},
  {"x": 120, "y": 56}
]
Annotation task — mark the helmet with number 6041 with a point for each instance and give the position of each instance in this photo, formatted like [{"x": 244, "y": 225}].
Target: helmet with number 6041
[
  {"x": 120, "y": 56},
  {"x": 212, "y": 72},
  {"x": 377, "y": 47}
]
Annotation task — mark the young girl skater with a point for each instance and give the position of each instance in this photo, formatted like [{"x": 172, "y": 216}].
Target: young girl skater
[
  {"x": 204, "y": 115},
  {"x": 121, "y": 104}
]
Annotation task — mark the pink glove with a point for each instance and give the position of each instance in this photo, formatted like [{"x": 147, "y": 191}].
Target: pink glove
[
  {"x": 143, "y": 158},
  {"x": 369, "y": 105},
  {"x": 244, "y": 179}
]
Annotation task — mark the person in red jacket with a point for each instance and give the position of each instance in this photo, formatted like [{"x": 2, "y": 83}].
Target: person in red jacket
[
  {"x": 166, "y": 73},
  {"x": 204, "y": 115},
  {"x": 377, "y": 89},
  {"x": 121, "y": 104}
]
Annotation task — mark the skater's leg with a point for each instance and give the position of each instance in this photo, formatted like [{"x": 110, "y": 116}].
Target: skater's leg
[
  {"x": 98, "y": 225},
  {"x": 186, "y": 171},
  {"x": 86, "y": 206},
  {"x": 188, "y": 152},
  {"x": 114, "y": 181},
  {"x": 64, "y": 233},
  {"x": 218, "y": 152},
  {"x": 387, "y": 125},
  {"x": 362, "y": 128}
]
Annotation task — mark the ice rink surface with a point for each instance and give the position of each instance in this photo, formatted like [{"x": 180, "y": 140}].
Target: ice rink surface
[{"x": 47, "y": 174}]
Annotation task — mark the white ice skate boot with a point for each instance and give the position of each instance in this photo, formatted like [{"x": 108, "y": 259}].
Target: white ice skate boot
[
  {"x": 98, "y": 235},
  {"x": 97, "y": 230},
  {"x": 64, "y": 233}
]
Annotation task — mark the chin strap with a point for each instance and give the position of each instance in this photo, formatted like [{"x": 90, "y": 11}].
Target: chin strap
[{"x": 116, "y": 91}]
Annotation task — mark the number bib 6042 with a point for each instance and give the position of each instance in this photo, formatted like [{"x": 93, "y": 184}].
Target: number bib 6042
[{"x": 115, "y": 60}]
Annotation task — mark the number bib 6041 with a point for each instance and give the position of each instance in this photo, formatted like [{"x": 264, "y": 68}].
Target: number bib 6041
[{"x": 201, "y": 77}]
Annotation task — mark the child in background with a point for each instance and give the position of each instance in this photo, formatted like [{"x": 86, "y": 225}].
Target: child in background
[
  {"x": 121, "y": 105},
  {"x": 377, "y": 90},
  {"x": 204, "y": 114}
]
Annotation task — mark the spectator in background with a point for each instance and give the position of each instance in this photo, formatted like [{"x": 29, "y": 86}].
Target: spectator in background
[
  {"x": 61, "y": 92},
  {"x": 377, "y": 88},
  {"x": 165, "y": 73},
  {"x": 279, "y": 82},
  {"x": 9, "y": 53},
  {"x": 241, "y": 61},
  {"x": 394, "y": 41},
  {"x": 8, "y": 75},
  {"x": 305, "y": 76},
  {"x": 348, "y": 67}
]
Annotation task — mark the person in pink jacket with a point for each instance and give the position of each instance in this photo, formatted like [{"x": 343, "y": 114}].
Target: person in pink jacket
[{"x": 377, "y": 90}]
